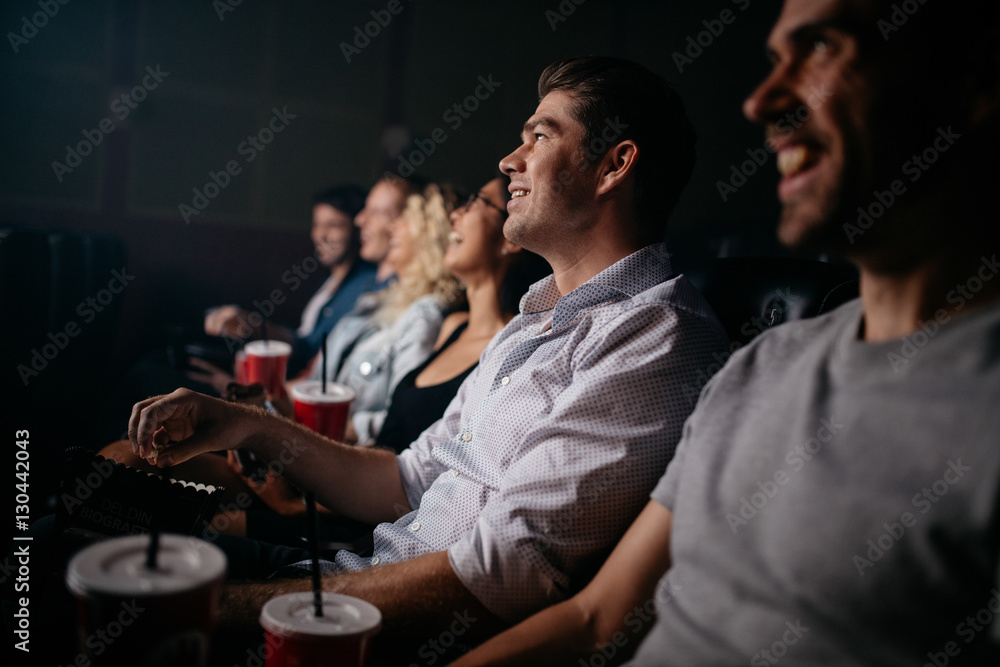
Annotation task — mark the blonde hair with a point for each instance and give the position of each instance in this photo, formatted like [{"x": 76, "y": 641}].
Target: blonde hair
[{"x": 427, "y": 214}]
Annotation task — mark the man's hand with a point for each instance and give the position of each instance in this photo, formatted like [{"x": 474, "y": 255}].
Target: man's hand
[
  {"x": 209, "y": 374},
  {"x": 192, "y": 422},
  {"x": 224, "y": 320}
]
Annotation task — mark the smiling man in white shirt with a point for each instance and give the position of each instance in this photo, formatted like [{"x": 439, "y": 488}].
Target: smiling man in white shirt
[{"x": 512, "y": 499}]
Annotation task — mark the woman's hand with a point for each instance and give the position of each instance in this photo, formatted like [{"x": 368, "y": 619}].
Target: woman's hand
[
  {"x": 274, "y": 489},
  {"x": 224, "y": 320}
]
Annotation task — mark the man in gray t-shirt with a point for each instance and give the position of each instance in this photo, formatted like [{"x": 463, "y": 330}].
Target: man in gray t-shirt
[{"x": 835, "y": 497}]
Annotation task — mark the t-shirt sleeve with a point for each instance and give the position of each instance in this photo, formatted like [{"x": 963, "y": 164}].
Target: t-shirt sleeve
[{"x": 666, "y": 489}]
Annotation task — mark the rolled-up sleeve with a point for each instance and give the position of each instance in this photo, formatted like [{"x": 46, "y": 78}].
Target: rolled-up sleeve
[
  {"x": 417, "y": 466},
  {"x": 585, "y": 468}
]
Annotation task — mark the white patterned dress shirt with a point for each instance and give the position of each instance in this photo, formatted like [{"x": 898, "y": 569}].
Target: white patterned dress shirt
[{"x": 553, "y": 443}]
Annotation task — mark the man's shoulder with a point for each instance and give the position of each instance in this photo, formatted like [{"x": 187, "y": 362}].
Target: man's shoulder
[
  {"x": 675, "y": 298},
  {"x": 814, "y": 337}
]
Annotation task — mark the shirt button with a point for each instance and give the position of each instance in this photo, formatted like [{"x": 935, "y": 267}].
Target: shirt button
[
  {"x": 505, "y": 380},
  {"x": 376, "y": 560},
  {"x": 467, "y": 436},
  {"x": 454, "y": 473},
  {"x": 415, "y": 526},
  {"x": 365, "y": 368}
]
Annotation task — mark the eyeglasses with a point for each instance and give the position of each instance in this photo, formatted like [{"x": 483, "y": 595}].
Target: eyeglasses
[{"x": 472, "y": 200}]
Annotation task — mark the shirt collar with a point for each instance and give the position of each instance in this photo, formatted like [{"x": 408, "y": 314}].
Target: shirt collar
[{"x": 626, "y": 278}]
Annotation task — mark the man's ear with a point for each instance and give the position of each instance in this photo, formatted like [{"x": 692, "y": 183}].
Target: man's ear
[{"x": 617, "y": 164}]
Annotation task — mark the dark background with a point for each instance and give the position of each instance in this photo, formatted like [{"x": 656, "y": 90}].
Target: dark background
[{"x": 226, "y": 74}]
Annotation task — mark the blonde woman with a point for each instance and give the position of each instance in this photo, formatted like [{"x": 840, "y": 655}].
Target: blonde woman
[{"x": 405, "y": 327}]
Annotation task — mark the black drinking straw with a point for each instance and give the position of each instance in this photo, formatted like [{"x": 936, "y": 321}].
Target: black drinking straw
[
  {"x": 323, "y": 370},
  {"x": 263, "y": 332},
  {"x": 311, "y": 518},
  {"x": 154, "y": 547},
  {"x": 314, "y": 548}
]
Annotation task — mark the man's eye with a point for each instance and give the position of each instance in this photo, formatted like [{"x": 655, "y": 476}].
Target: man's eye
[
  {"x": 538, "y": 136},
  {"x": 821, "y": 46}
]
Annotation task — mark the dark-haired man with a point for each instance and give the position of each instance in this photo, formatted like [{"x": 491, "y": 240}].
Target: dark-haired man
[
  {"x": 508, "y": 502},
  {"x": 834, "y": 500},
  {"x": 337, "y": 243}
]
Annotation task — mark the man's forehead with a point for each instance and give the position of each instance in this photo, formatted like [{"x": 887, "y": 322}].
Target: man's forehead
[
  {"x": 798, "y": 14},
  {"x": 556, "y": 111}
]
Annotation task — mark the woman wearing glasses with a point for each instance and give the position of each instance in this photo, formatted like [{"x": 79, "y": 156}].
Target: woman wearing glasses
[{"x": 495, "y": 274}]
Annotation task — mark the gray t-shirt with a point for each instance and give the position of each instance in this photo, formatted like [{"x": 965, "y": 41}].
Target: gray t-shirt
[{"x": 835, "y": 502}]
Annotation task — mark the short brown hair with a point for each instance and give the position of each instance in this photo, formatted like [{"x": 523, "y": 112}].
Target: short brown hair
[{"x": 634, "y": 103}]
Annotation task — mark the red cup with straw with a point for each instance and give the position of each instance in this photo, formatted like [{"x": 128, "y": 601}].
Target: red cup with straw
[
  {"x": 147, "y": 599},
  {"x": 317, "y": 628},
  {"x": 297, "y": 637}
]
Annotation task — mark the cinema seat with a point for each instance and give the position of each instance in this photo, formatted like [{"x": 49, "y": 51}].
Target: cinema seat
[{"x": 753, "y": 294}]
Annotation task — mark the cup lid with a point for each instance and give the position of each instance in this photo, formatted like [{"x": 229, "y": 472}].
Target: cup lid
[
  {"x": 268, "y": 348},
  {"x": 310, "y": 392},
  {"x": 293, "y": 615},
  {"x": 118, "y": 566}
]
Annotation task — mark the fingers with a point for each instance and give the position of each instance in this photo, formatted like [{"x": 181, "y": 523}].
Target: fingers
[
  {"x": 187, "y": 449},
  {"x": 174, "y": 414},
  {"x": 133, "y": 422}
]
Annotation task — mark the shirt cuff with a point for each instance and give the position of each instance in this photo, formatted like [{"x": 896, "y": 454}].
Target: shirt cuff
[{"x": 509, "y": 577}]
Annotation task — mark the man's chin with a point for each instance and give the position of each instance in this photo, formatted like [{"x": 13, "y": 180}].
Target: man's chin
[{"x": 809, "y": 229}]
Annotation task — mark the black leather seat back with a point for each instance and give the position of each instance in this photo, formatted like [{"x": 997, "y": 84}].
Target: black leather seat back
[{"x": 752, "y": 294}]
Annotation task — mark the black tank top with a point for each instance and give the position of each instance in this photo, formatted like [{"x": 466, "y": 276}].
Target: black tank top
[{"x": 415, "y": 408}]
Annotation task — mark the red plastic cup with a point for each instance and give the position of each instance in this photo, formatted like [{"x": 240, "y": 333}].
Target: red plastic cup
[
  {"x": 130, "y": 615},
  {"x": 324, "y": 413},
  {"x": 240, "y": 368},
  {"x": 267, "y": 362},
  {"x": 295, "y": 637}
]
